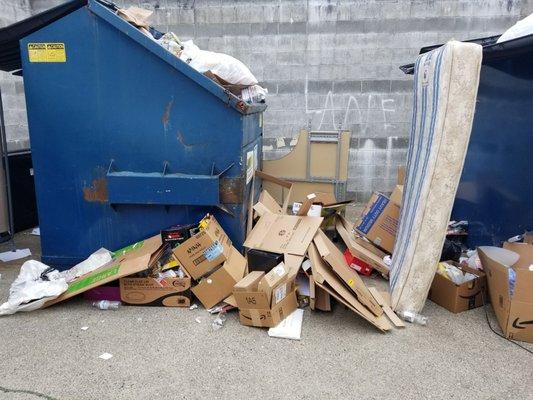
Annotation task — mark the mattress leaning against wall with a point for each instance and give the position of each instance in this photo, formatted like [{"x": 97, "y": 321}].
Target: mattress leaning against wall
[{"x": 446, "y": 83}]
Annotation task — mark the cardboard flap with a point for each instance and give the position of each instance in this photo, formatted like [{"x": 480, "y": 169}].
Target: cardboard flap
[
  {"x": 336, "y": 260},
  {"x": 524, "y": 251},
  {"x": 326, "y": 279},
  {"x": 313, "y": 198},
  {"x": 498, "y": 283},
  {"x": 357, "y": 250},
  {"x": 280, "y": 182},
  {"x": 235, "y": 264},
  {"x": 283, "y": 233},
  {"x": 267, "y": 203},
  {"x": 292, "y": 263}
]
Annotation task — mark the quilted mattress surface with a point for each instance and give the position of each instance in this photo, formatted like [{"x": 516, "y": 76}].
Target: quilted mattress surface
[{"x": 445, "y": 88}]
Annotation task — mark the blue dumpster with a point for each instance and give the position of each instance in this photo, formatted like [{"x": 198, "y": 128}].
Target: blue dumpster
[
  {"x": 496, "y": 192},
  {"x": 126, "y": 138}
]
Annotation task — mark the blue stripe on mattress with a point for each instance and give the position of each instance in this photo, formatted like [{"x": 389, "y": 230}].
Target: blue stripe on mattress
[{"x": 422, "y": 150}]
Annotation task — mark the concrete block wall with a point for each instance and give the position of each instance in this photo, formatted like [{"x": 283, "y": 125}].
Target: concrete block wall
[
  {"x": 12, "y": 87},
  {"x": 332, "y": 64}
]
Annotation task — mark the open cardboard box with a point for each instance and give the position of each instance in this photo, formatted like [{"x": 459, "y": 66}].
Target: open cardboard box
[
  {"x": 168, "y": 292},
  {"x": 514, "y": 312},
  {"x": 264, "y": 300},
  {"x": 379, "y": 220},
  {"x": 217, "y": 286},
  {"x": 205, "y": 250},
  {"x": 458, "y": 298}
]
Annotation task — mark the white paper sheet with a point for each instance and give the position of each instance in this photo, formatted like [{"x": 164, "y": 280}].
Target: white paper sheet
[
  {"x": 14, "y": 255},
  {"x": 290, "y": 327}
]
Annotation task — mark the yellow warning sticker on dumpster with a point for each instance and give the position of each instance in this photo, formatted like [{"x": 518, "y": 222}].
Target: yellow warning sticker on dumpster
[{"x": 47, "y": 52}]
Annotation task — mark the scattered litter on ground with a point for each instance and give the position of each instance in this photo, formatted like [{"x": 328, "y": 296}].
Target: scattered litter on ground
[
  {"x": 193, "y": 307},
  {"x": 290, "y": 327},
  {"x": 198, "y": 320},
  {"x": 12, "y": 255},
  {"x": 219, "y": 321},
  {"x": 84, "y": 328},
  {"x": 105, "y": 356},
  {"x": 36, "y": 231}
]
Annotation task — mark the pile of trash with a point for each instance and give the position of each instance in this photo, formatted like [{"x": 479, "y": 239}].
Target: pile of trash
[{"x": 224, "y": 69}]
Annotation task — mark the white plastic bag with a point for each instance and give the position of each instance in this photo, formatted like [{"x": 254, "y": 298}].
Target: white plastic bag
[
  {"x": 95, "y": 260},
  {"x": 226, "y": 67},
  {"x": 523, "y": 27},
  {"x": 30, "y": 291}
]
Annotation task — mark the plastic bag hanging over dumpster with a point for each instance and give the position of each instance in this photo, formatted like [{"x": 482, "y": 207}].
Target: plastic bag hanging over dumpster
[
  {"x": 226, "y": 67},
  {"x": 523, "y": 27}
]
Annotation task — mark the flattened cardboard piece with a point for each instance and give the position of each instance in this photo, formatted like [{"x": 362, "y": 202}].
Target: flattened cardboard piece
[
  {"x": 169, "y": 292},
  {"x": 458, "y": 298},
  {"x": 327, "y": 280},
  {"x": 127, "y": 261},
  {"x": 359, "y": 251},
  {"x": 333, "y": 256},
  {"x": 379, "y": 221},
  {"x": 514, "y": 314},
  {"x": 267, "y": 204},
  {"x": 205, "y": 250},
  {"x": 231, "y": 301},
  {"x": 397, "y": 322},
  {"x": 283, "y": 233},
  {"x": 397, "y": 194},
  {"x": 319, "y": 299},
  {"x": 323, "y": 159},
  {"x": 217, "y": 286},
  {"x": 313, "y": 198},
  {"x": 268, "y": 318},
  {"x": 279, "y": 183},
  {"x": 401, "y": 175}
]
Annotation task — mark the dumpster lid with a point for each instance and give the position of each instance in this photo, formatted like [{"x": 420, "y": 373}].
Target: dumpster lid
[
  {"x": 11, "y": 35},
  {"x": 491, "y": 49}
]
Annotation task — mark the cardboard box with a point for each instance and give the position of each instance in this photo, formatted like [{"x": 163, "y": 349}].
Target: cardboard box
[
  {"x": 129, "y": 260},
  {"x": 514, "y": 313},
  {"x": 283, "y": 233},
  {"x": 268, "y": 318},
  {"x": 167, "y": 292},
  {"x": 458, "y": 298},
  {"x": 205, "y": 250},
  {"x": 379, "y": 221},
  {"x": 262, "y": 299},
  {"x": 218, "y": 285}
]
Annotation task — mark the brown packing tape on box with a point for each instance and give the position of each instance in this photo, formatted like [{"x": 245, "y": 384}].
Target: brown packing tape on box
[{"x": 326, "y": 279}]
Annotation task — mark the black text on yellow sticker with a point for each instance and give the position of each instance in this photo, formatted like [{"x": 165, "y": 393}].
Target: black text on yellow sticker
[{"x": 47, "y": 52}]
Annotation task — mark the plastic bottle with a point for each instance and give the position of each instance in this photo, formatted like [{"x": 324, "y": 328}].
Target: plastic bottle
[
  {"x": 107, "y": 305},
  {"x": 411, "y": 316}
]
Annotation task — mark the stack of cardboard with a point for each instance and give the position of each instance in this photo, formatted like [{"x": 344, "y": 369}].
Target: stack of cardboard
[{"x": 300, "y": 237}]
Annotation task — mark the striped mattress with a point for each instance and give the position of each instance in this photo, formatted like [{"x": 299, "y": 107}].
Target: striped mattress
[{"x": 445, "y": 86}]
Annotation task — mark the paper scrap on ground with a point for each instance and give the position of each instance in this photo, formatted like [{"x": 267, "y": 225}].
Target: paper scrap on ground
[
  {"x": 198, "y": 319},
  {"x": 36, "y": 231},
  {"x": 84, "y": 328},
  {"x": 290, "y": 327},
  {"x": 105, "y": 356},
  {"x": 14, "y": 255}
]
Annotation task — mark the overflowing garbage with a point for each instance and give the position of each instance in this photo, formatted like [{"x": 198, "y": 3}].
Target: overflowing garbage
[{"x": 222, "y": 68}]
